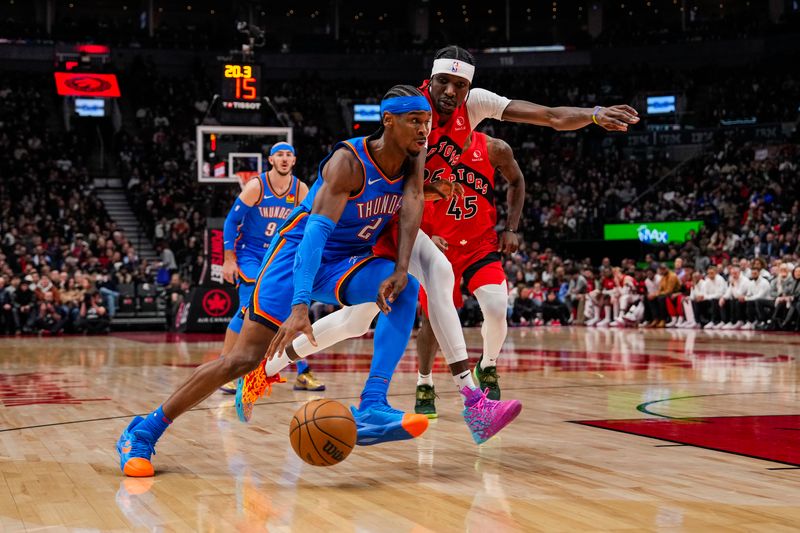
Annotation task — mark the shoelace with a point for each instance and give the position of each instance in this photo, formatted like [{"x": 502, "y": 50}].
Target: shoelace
[
  {"x": 484, "y": 404},
  {"x": 489, "y": 375},
  {"x": 142, "y": 446},
  {"x": 260, "y": 375},
  {"x": 427, "y": 393}
]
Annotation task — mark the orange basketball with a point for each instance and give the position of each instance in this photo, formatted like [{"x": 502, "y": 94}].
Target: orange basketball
[{"x": 322, "y": 432}]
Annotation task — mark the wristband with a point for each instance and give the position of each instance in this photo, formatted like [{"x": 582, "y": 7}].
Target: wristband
[{"x": 594, "y": 114}]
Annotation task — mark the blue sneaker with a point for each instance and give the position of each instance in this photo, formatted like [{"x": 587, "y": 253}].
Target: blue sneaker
[
  {"x": 379, "y": 422},
  {"x": 134, "y": 449}
]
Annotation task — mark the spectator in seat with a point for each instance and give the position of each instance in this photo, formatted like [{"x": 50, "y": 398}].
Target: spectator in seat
[
  {"x": 23, "y": 308},
  {"x": 733, "y": 303},
  {"x": 758, "y": 302},
  {"x": 785, "y": 284},
  {"x": 93, "y": 317},
  {"x": 174, "y": 295},
  {"x": 668, "y": 287},
  {"x": 791, "y": 320}
]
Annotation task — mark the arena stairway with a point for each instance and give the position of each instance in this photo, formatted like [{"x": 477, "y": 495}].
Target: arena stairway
[{"x": 138, "y": 306}]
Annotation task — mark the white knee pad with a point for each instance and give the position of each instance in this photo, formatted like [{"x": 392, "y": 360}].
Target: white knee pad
[{"x": 493, "y": 300}]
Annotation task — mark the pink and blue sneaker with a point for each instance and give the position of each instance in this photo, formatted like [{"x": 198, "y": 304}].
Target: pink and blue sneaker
[
  {"x": 135, "y": 448},
  {"x": 486, "y": 418},
  {"x": 378, "y": 422}
]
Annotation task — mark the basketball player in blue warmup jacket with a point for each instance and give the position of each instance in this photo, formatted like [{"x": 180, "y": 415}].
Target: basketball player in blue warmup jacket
[
  {"x": 324, "y": 252},
  {"x": 263, "y": 205}
]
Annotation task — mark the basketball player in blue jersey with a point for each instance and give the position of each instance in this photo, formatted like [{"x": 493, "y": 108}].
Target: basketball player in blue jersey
[
  {"x": 263, "y": 205},
  {"x": 323, "y": 251}
]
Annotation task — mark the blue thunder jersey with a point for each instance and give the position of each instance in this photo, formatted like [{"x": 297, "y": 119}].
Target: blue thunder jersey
[
  {"x": 264, "y": 219},
  {"x": 367, "y": 211}
]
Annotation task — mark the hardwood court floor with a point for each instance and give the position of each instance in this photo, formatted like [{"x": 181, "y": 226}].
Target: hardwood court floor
[{"x": 678, "y": 431}]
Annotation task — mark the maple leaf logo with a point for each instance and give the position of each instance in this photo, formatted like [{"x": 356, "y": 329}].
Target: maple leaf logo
[{"x": 216, "y": 302}]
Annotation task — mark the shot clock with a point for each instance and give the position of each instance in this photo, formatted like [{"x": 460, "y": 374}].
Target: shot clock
[{"x": 241, "y": 87}]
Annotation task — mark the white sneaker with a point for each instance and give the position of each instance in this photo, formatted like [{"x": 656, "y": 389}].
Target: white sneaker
[
  {"x": 591, "y": 322},
  {"x": 689, "y": 324},
  {"x": 748, "y": 326},
  {"x": 672, "y": 323},
  {"x": 603, "y": 323},
  {"x": 681, "y": 321}
]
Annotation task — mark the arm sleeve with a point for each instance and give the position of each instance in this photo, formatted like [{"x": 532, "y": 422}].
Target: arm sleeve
[
  {"x": 309, "y": 255},
  {"x": 232, "y": 223},
  {"x": 483, "y": 104}
]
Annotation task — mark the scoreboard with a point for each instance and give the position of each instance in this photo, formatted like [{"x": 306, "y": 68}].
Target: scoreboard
[{"x": 241, "y": 87}]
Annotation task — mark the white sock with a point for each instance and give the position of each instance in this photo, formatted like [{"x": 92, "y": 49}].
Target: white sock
[
  {"x": 493, "y": 300},
  {"x": 425, "y": 379},
  {"x": 464, "y": 380}
]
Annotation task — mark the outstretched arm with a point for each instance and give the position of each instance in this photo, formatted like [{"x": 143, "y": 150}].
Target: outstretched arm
[
  {"x": 613, "y": 118},
  {"x": 502, "y": 158}
]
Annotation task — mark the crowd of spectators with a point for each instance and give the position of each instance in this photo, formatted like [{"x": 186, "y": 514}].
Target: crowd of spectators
[
  {"x": 53, "y": 224},
  {"x": 61, "y": 256},
  {"x": 733, "y": 293}
]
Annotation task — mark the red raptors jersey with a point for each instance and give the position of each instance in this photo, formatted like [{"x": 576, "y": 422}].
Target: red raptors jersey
[
  {"x": 469, "y": 220},
  {"x": 445, "y": 144}
]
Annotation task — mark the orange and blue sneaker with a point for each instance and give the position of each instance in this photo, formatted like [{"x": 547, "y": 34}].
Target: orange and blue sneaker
[
  {"x": 379, "y": 422},
  {"x": 485, "y": 417},
  {"x": 135, "y": 448},
  {"x": 251, "y": 387}
]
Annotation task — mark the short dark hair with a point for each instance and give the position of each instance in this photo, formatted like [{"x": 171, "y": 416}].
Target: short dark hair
[
  {"x": 454, "y": 52},
  {"x": 402, "y": 90}
]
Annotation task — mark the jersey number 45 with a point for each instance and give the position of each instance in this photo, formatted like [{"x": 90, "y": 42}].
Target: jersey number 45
[{"x": 468, "y": 211}]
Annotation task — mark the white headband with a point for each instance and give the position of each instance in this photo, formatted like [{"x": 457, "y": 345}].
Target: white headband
[{"x": 455, "y": 67}]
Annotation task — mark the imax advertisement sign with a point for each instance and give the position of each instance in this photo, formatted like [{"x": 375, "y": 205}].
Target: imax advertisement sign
[{"x": 652, "y": 232}]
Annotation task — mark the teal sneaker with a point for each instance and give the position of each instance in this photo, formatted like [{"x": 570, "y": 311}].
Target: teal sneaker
[
  {"x": 487, "y": 379},
  {"x": 134, "y": 449},
  {"x": 379, "y": 422},
  {"x": 426, "y": 401}
]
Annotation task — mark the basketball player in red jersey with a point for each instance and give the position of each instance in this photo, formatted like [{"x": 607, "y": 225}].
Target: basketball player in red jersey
[
  {"x": 457, "y": 110},
  {"x": 463, "y": 227}
]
